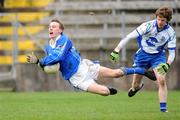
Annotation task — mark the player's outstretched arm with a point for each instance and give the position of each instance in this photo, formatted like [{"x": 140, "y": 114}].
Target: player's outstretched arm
[{"x": 33, "y": 59}]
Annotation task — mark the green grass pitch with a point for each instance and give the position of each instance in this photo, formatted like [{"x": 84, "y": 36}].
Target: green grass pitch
[{"x": 86, "y": 106}]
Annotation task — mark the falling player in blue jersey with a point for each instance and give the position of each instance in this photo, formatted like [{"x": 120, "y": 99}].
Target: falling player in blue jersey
[
  {"x": 152, "y": 38},
  {"x": 81, "y": 73}
]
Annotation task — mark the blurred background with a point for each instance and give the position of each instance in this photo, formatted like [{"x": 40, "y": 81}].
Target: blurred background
[{"x": 95, "y": 27}]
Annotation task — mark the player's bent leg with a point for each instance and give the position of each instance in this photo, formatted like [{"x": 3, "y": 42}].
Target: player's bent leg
[
  {"x": 137, "y": 85},
  {"x": 105, "y": 72},
  {"x": 101, "y": 89},
  {"x": 132, "y": 91},
  {"x": 138, "y": 70},
  {"x": 150, "y": 74}
]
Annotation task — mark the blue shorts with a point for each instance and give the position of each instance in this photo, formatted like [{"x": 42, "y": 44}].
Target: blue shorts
[{"x": 145, "y": 60}]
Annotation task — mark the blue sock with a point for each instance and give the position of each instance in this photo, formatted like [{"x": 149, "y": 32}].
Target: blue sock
[
  {"x": 163, "y": 107},
  {"x": 135, "y": 70}
]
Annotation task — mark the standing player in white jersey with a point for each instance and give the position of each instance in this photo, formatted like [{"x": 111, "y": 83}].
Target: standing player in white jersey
[{"x": 152, "y": 38}]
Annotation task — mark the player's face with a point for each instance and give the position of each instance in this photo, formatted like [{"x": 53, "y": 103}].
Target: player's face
[
  {"x": 161, "y": 21},
  {"x": 54, "y": 30}
]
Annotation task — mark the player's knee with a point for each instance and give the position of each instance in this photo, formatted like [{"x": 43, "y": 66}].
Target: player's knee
[
  {"x": 117, "y": 73},
  {"x": 161, "y": 81}
]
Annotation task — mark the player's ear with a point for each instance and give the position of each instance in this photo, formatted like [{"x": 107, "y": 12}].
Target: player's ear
[{"x": 60, "y": 31}]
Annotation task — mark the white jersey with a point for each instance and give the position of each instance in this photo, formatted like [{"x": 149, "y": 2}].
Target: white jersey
[{"x": 151, "y": 40}]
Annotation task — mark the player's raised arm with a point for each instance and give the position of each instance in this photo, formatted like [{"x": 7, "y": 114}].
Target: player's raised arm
[{"x": 114, "y": 56}]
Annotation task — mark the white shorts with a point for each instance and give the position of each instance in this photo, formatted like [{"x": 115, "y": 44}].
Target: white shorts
[{"x": 86, "y": 75}]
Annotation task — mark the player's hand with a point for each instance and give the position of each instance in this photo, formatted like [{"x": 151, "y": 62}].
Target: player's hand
[
  {"x": 163, "y": 68},
  {"x": 32, "y": 58},
  {"x": 114, "y": 57}
]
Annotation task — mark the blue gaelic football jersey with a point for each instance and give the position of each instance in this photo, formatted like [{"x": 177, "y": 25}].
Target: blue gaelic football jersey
[
  {"x": 64, "y": 53},
  {"x": 151, "y": 40}
]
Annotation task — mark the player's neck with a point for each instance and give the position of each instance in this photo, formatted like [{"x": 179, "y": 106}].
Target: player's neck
[{"x": 56, "y": 38}]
